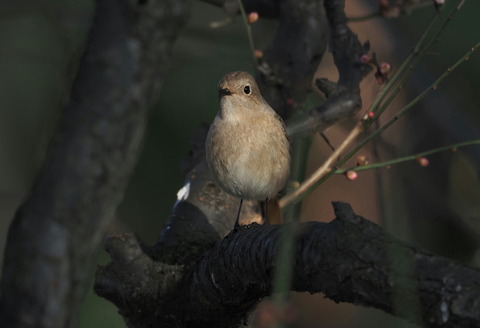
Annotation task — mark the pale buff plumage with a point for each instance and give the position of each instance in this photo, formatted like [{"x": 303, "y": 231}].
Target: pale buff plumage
[{"x": 247, "y": 148}]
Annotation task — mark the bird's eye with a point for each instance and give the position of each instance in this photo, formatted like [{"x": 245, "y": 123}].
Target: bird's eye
[{"x": 247, "y": 90}]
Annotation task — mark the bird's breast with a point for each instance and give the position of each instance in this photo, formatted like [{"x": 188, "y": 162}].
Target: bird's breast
[{"x": 249, "y": 158}]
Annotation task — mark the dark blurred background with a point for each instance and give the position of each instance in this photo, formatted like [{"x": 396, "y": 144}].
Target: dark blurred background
[{"x": 436, "y": 207}]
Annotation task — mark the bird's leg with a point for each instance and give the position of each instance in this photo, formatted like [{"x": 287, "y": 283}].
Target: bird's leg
[
  {"x": 265, "y": 211},
  {"x": 238, "y": 213}
]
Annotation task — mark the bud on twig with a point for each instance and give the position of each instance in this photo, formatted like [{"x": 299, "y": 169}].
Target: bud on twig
[
  {"x": 362, "y": 160},
  {"x": 422, "y": 161},
  {"x": 384, "y": 68},
  {"x": 252, "y": 17},
  {"x": 351, "y": 175},
  {"x": 366, "y": 59}
]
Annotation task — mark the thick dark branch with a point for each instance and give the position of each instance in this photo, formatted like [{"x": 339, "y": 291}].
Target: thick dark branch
[
  {"x": 55, "y": 235},
  {"x": 349, "y": 260},
  {"x": 344, "y": 96},
  {"x": 291, "y": 60},
  {"x": 345, "y": 47}
]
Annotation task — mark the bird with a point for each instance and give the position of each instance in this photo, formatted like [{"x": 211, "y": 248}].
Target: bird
[{"x": 247, "y": 149}]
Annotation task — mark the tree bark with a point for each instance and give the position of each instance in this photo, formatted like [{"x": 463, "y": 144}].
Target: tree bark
[
  {"x": 349, "y": 259},
  {"x": 55, "y": 234}
]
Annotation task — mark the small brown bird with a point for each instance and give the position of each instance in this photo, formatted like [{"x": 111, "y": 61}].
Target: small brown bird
[{"x": 247, "y": 146}]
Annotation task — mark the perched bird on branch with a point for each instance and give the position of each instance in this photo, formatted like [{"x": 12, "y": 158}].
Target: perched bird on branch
[{"x": 247, "y": 147}]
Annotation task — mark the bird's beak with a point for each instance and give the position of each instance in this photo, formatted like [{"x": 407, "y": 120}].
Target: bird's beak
[{"x": 224, "y": 92}]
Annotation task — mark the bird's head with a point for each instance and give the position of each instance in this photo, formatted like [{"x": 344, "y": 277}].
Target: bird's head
[{"x": 239, "y": 95}]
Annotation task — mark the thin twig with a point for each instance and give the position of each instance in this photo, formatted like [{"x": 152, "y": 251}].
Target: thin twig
[
  {"x": 322, "y": 170},
  {"x": 415, "y": 100},
  {"x": 327, "y": 141},
  {"x": 249, "y": 33},
  {"x": 325, "y": 170},
  {"x": 406, "y": 63},
  {"x": 409, "y": 158},
  {"x": 415, "y": 59}
]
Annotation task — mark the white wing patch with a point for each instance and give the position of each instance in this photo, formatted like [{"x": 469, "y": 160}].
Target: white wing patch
[{"x": 183, "y": 193}]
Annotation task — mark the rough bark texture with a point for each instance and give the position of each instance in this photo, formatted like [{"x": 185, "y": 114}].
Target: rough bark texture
[
  {"x": 343, "y": 97},
  {"x": 349, "y": 259},
  {"x": 286, "y": 70},
  {"x": 56, "y": 233}
]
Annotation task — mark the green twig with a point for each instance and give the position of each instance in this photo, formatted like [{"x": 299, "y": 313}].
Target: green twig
[
  {"x": 249, "y": 33},
  {"x": 404, "y": 66},
  {"x": 418, "y": 55},
  {"x": 285, "y": 256},
  {"x": 309, "y": 184},
  {"x": 413, "y": 102},
  {"x": 404, "y": 110},
  {"x": 409, "y": 158}
]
